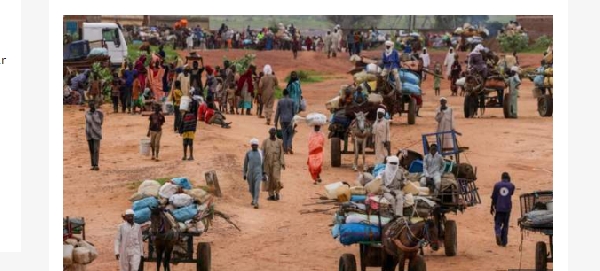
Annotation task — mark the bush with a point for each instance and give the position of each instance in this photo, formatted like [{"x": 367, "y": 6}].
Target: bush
[
  {"x": 543, "y": 42},
  {"x": 513, "y": 43}
]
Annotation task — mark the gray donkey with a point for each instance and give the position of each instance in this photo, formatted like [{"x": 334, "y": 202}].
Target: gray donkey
[{"x": 361, "y": 130}]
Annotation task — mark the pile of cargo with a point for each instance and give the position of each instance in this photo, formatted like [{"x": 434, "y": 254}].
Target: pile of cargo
[
  {"x": 77, "y": 254},
  {"x": 190, "y": 207}
]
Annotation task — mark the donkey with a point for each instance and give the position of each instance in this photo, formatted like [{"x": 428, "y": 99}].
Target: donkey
[
  {"x": 164, "y": 232},
  {"x": 361, "y": 131},
  {"x": 404, "y": 241}
]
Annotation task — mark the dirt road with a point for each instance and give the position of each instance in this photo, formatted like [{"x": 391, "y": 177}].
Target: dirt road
[{"x": 277, "y": 236}]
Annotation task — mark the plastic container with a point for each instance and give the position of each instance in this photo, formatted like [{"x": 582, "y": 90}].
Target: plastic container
[
  {"x": 185, "y": 103},
  {"x": 145, "y": 146},
  {"x": 331, "y": 188}
]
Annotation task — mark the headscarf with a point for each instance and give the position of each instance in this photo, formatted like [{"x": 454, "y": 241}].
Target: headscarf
[
  {"x": 254, "y": 141},
  {"x": 390, "y": 170},
  {"x": 267, "y": 70},
  {"x": 380, "y": 110},
  {"x": 129, "y": 212},
  {"x": 477, "y": 49},
  {"x": 246, "y": 78},
  {"x": 292, "y": 80},
  {"x": 209, "y": 70},
  {"x": 391, "y": 49}
]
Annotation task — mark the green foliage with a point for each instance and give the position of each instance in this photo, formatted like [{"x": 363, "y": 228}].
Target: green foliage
[
  {"x": 278, "y": 92},
  {"x": 543, "y": 42},
  {"x": 242, "y": 64},
  {"x": 105, "y": 76},
  {"x": 307, "y": 77},
  {"x": 133, "y": 53},
  {"x": 512, "y": 43}
]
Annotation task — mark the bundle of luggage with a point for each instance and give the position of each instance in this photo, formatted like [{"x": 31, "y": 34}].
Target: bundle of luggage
[
  {"x": 77, "y": 254},
  {"x": 540, "y": 217},
  {"x": 544, "y": 77},
  {"x": 190, "y": 207}
]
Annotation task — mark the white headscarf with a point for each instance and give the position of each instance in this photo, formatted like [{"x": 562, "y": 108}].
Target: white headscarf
[
  {"x": 380, "y": 110},
  {"x": 477, "y": 49},
  {"x": 391, "y": 45},
  {"x": 129, "y": 212},
  {"x": 390, "y": 170},
  {"x": 267, "y": 70},
  {"x": 254, "y": 141}
]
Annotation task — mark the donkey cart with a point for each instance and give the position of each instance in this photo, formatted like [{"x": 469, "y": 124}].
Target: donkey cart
[
  {"x": 536, "y": 216},
  {"x": 203, "y": 252}
]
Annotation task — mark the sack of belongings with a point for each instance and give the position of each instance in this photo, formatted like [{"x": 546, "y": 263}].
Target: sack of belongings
[{"x": 313, "y": 119}]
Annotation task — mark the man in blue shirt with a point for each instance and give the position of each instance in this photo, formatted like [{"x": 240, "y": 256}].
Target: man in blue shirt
[
  {"x": 391, "y": 62},
  {"x": 126, "y": 96},
  {"x": 284, "y": 115},
  {"x": 501, "y": 206}
]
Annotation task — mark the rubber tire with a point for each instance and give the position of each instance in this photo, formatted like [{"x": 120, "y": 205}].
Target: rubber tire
[
  {"x": 336, "y": 152},
  {"x": 450, "y": 240},
  {"x": 141, "y": 268},
  {"x": 412, "y": 111},
  {"x": 203, "y": 256},
  {"x": 506, "y": 106},
  {"x": 347, "y": 263},
  {"x": 468, "y": 106},
  {"x": 545, "y": 106},
  {"x": 541, "y": 256},
  {"x": 418, "y": 265}
]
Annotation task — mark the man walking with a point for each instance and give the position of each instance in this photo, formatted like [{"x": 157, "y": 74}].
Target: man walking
[
  {"x": 253, "y": 171},
  {"x": 327, "y": 42},
  {"x": 381, "y": 131},
  {"x": 272, "y": 149},
  {"x": 129, "y": 246},
  {"x": 155, "y": 130},
  {"x": 445, "y": 118},
  {"x": 93, "y": 132},
  {"x": 267, "y": 86},
  {"x": 283, "y": 116},
  {"x": 501, "y": 207}
]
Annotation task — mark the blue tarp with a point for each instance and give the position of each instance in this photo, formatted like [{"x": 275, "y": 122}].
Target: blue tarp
[
  {"x": 149, "y": 202},
  {"x": 378, "y": 168},
  {"x": 413, "y": 89},
  {"x": 416, "y": 166},
  {"x": 182, "y": 182},
  {"x": 141, "y": 216},
  {"x": 408, "y": 77},
  {"x": 358, "y": 198},
  {"x": 354, "y": 233},
  {"x": 185, "y": 213}
]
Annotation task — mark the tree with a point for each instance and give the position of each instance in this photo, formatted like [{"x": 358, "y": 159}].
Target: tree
[
  {"x": 354, "y": 21},
  {"x": 512, "y": 43}
]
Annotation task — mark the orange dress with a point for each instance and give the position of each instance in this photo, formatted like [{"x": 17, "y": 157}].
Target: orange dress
[
  {"x": 156, "y": 84},
  {"x": 316, "y": 141}
]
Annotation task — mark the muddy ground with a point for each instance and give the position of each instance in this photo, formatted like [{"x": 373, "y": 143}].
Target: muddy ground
[{"x": 277, "y": 236}]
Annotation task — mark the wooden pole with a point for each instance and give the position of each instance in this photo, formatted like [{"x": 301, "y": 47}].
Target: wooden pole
[{"x": 213, "y": 181}]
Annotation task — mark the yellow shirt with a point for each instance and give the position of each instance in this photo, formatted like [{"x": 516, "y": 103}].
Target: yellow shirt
[{"x": 176, "y": 96}]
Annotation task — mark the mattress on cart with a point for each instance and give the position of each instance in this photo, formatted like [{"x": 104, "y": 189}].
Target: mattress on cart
[{"x": 537, "y": 219}]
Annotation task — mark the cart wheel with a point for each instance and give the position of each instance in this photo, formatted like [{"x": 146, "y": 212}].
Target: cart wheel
[
  {"x": 469, "y": 106},
  {"x": 141, "y": 268},
  {"x": 545, "y": 106},
  {"x": 541, "y": 256},
  {"x": 507, "y": 106},
  {"x": 203, "y": 256},
  {"x": 418, "y": 264},
  {"x": 347, "y": 263},
  {"x": 450, "y": 246},
  {"x": 336, "y": 152},
  {"x": 412, "y": 110}
]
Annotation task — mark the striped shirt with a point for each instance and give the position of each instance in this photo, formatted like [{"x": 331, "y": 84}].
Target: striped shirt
[{"x": 93, "y": 125}]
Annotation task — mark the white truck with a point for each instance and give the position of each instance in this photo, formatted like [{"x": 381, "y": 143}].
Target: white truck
[{"x": 110, "y": 36}]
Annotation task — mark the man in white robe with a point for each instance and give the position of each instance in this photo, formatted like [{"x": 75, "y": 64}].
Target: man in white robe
[
  {"x": 392, "y": 183},
  {"x": 129, "y": 245},
  {"x": 381, "y": 132},
  {"x": 444, "y": 117}
]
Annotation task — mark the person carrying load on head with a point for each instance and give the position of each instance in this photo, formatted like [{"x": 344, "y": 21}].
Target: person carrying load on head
[
  {"x": 391, "y": 62},
  {"x": 392, "y": 184}
]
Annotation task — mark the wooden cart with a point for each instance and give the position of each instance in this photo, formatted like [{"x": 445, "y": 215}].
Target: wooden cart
[{"x": 203, "y": 252}]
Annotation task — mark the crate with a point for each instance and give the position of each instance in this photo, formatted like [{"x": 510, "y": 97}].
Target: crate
[{"x": 529, "y": 200}]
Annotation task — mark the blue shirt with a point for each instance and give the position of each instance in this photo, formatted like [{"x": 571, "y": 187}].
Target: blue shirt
[
  {"x": 129, "y": 77},
  {"x": 501, "y": 197},
  {"x": 392, "y": 61}
]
